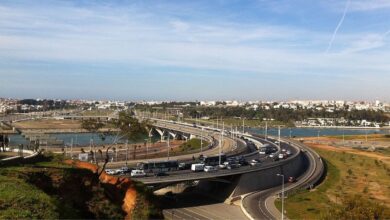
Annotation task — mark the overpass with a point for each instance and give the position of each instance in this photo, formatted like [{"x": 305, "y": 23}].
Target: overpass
[{"x": 258, "y": 187}]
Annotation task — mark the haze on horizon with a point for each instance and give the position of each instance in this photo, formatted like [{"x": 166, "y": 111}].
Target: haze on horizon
[{"x": 195, "y": 50}]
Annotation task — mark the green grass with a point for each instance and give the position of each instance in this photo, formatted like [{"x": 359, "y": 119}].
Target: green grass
[
  {"x": 370, "y": 137},
  {"x": 193, "y": 144},
  {"x": 20, "y": 200},
  {"x": 348, "y": 175}
]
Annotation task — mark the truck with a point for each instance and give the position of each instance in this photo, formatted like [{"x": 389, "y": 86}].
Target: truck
[{"x": 197, "y": 167}]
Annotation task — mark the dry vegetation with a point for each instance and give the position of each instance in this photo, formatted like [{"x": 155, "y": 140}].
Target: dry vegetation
[{"x": 351, "y": 174}]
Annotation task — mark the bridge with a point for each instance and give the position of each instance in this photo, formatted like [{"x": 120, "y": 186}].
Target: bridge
[{"x": 256, "y": 186}]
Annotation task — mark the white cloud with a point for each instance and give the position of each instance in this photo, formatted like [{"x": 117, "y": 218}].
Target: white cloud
[
  {"x": 368, "y": 5},
  {"x": 68, "y": 34}
]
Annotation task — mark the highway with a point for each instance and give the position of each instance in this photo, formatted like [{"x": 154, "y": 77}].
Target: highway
[
  {"x": 256, "y": 205},
  {"x": 188, "y": 175},
  {"x": 261, "y": 205}
]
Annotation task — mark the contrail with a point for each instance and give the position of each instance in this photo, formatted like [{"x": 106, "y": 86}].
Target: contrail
[{"x": 338, "y": 26}]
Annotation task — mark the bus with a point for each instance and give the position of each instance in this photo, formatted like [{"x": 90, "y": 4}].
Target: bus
[
  {"x": 213, "y": 160},
  {"x": 158, "y": 166}
]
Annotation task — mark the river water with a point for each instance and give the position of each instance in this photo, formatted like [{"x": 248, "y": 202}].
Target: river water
[{"x": 83, "y": 139}]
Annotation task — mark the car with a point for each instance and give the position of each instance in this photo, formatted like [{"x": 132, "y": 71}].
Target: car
[
  {"x": 281, "y": 156},
  {"x": 292, "y": 179},
  {"x": 210, "y": 169},
  {"x": 255, "y": 162},
  {"x": 137, "y": 173},
  {"x": 276, "y": 158},
  {"x": 184, "y": 166},
  {"x": 222, "y": 166},
  {"x": 110, "y": 171},
  {"x": 233, "y": 166},
  {"x": 272, "y": 155},
  {"x": 161, "y": 174},
  {"x": 283, "y": 150},
  {"x": 124, "y": 170},
  {"x": 288, "y": 153},
  {"x": 197, "y": 167}
]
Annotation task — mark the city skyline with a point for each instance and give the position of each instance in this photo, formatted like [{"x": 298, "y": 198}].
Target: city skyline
[{"x": 181, "y": 50}]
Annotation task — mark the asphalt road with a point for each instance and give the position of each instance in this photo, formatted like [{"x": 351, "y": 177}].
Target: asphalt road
[
  {"x": 261, "y": 205},
  {"x": 196, "y": 206}
]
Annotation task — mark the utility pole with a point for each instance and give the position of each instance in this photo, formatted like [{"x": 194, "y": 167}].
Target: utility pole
[
  {"x": 71, "y": 148},
  {"x": 282, "y": 194},
  {"x": 318, "y": 135},
  {"x": 201, "y": 141},
  {"x": 168, "y": 146},
  {"x": 220, "y": 146},
  {"x": 279, "y": 134},
  {"x": 290, "y": 133},
  {"x": 365, "y": 128},
  {"x": 243, "y": 125},
  {"x": 266, "y": 130},
  {"x": 127, "y": 150}
]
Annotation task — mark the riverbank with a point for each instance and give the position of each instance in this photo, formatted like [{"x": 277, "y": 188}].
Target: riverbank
[{"x": 345, "y": 127}]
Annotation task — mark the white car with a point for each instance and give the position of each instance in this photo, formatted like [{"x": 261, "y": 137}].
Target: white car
[
  {"x": 110, "y": 171},
  {"x": 210, "y": 169},
  {"x": 137, "y": 173},
  {"x": 281, "y": 156},
  {"x": 222, "y": 166},
  {"x": 197, "y": 167},
  {"x": 272, "y": 155}
]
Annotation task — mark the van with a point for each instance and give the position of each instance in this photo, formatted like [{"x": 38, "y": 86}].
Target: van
[
  {"x": 197, "y": 167},
  {"x": 137, "y": 173}
]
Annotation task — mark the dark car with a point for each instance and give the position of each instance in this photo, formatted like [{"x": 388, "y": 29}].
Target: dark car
[
  {"x": 276, "y": 158},
  {"x": 233, "y": 166},
  {"x": 184, "y": 166},
  {"x": 161, "y": 174},
  {"x": 292, "y": 179}
]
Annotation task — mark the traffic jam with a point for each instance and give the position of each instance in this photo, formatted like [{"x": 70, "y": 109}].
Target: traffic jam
[{"x": 266, "y": 153}]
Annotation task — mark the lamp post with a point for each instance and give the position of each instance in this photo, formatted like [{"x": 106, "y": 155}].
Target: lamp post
[
  {"x": 282, "y": 193},
  {"x": 279, "y": 135},
  {"x": 201, "y": 141},
  {"x": 168, "y": 146}
]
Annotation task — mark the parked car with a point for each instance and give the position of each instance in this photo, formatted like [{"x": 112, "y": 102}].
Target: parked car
[{"x": 137, "y": 173}]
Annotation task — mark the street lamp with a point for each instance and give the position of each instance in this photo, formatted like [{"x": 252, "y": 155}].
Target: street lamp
[
  {"x": 282, "y": 193},
  {"x": 201, "y": 141}
]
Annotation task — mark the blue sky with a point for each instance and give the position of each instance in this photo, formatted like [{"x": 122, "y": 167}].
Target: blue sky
[{"x": 195, "y": 50}]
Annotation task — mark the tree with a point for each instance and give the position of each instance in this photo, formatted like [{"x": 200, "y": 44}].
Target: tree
[{"x": 128, "y": 127}]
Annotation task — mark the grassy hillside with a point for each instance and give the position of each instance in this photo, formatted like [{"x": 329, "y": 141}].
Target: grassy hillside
[
  {"x": 52, "y": 190},
  {"x": 350, "y": 177}
]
